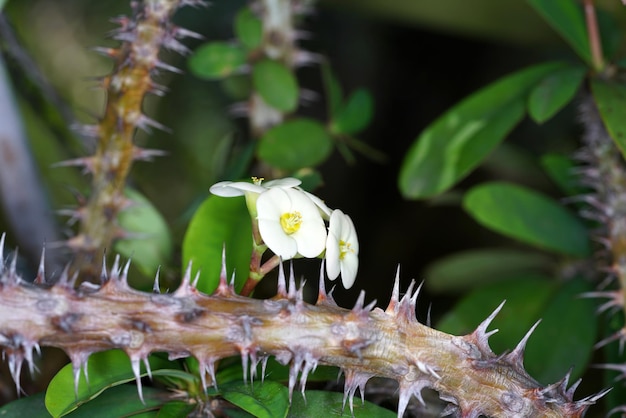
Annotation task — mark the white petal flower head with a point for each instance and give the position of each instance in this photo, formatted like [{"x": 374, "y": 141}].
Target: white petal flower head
[
  {"x": 290, "y": 223},
  {"x": 342, "y": 249}
]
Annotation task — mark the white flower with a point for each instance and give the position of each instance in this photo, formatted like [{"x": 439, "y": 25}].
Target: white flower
[
  {"x": 342, "y": 249},
  {"x": 290, "y": 223}
]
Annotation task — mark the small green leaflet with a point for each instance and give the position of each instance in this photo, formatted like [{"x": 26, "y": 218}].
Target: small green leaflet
[{"x": 610, "y": 98}]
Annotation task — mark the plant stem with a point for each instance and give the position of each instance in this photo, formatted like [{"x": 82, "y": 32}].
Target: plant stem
[{"x": 594, "y": 36}]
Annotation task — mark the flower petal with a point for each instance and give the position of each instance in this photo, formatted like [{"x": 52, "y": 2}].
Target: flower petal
[
  {"x": 276, "y": 240},
  {"x": 286, "y": 183},
  {"x": 349, "y": 268},
  {"x": 232, "y": 189},
  {"x": 325, "y": 211},
  {"x": 333, "y": 267},
  {"x": 311, "y": 237}
]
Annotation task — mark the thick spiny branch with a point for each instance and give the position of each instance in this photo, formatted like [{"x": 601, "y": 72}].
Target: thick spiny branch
[{"x": 363, "y": 342}]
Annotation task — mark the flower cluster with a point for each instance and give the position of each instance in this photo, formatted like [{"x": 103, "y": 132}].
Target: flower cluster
[{"x": 291, "y": 223}]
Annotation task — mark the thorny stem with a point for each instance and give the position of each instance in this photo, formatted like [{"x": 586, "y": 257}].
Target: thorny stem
[
  {"x": 594, "y": 36},
  {"x": 135, "y": 62},
  {"x": 363, "y": 341}
]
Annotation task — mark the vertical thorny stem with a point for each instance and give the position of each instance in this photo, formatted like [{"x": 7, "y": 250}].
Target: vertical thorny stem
[
  {"x": 605, "y": 173},
  {"x": 278, "y": 44},
  {"x": 136, "y": 61}
]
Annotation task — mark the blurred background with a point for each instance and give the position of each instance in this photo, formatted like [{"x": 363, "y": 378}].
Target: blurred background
[{"x": 417, "y": 58}]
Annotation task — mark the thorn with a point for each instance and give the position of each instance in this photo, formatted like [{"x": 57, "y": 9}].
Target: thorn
[
  {"x": 183, "y": 288},
  {"x": 124, "y": 276},
  {"x": 145, "y": 123},
  {"x": 63, "y": 280},
  {"x": 291, "y": 292},
  {"x": 115, "y": 270},
  {"x": 79, "y": 361},
  {"x": 104, "y": 277},
  {"x": 223, "y": 289},
  {"x": 41, "y": 270},
  {"x": 517, "y": 355},
  {"x": 164, "y": 66},
  {"x": 15, "y": 368},
  {"x": 321, "y": 292},
  {"x": 282, "y": 284},
  {"x": 87, "y": 131},
  {"x": 13, "y": 277},
  {"x": 207, "y": 366},
  {"x": 85, "y": 162},
  {"x": 171, "y": 43},
  {"x": 134, "y": 362},
  {"x": 141, "y": 154},
  {"x": 392, "y": 308},
  {"x": 155, "y": 287},
  {"x": 107, "y": 52},
  {"x": 481, "y": 335},
  {"x": 358, "y": 306},
  {"x": 194, "y": 283},
  {"x": 148, "y": 369},
  {"x": 2, "y": 264},
  {"x": 182, "y": 33}
]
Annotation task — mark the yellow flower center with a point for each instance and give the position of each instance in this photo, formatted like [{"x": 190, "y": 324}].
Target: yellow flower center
[
  {"x": 344, "y": 248},
  {"x": 291, "y": 222}
]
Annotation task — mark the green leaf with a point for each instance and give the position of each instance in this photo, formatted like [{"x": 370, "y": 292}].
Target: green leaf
[
  {"x": 216, "y": 60},
  {"x": 330, "y": 404},
  {"x": 219, "y": 223},
  {"x": 30, "y": 406},
  {"x": 561, "y": 170},
  {"x": 263, "y": 400},
  {"x": 295, "y": 144},
  {"x": 566, "y": 17},
  {"x": 105, "y": 370},
  {"x": 276, "y": 84},
  {"x": 176, "y": 409},
  {"x": 610, "y": 98},
  {"x": 248, "y": 28},
  {"x": 122, "y": 401},
  {"x": 153, "y": 247},
  {"x": 554, "y": 92},
  {"x": 566, "y": 335},
  {"x": 467, "y": 269},
  {"x": 454, "y": 144},
  {"x": 355, "y": 115},
  {"x": 526, "y": 297},
  {"x": 528, "y": 216}
]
